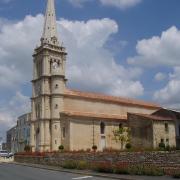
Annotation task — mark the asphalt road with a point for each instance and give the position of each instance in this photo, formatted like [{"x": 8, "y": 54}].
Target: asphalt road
[{"x": 17, "y": 172}]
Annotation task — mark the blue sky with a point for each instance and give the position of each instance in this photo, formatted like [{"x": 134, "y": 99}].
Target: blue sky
[{"x": 127, "y": 49}]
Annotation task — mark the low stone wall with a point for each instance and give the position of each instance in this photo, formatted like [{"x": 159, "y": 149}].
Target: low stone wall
[
  {"x": 6, "y": 160},
  {"x": 162, "y": 159}
]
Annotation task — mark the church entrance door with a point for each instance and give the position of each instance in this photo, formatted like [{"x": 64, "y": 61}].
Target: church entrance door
[{"x": 103, "y": 143}]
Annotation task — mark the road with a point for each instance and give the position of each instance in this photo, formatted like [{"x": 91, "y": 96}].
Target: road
[{"x": 17, "y": 172}]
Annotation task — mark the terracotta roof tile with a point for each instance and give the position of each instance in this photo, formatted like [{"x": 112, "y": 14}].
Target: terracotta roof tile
[
  {"x": 93, "y": 115},
  {"x": 113, "y": 99},
  {"x": 153, "y": 117}
]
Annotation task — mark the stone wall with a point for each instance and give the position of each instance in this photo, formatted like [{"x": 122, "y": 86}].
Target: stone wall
[
  {"x": 141, "y": 131},
  {"x": 162, "y": 159}
]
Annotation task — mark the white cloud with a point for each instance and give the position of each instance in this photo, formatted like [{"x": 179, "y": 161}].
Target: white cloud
[
  {"x": 160, "y": 76},
  {"x": 159, "y": 51},
  {"x": 78, "y": 3},
  {"x": 91, "y": 66},
  {"x": 87, "y": 60},
  {"x": 18, "y": 39},
  {"x": 169, "y": 95},
  {"x": 122, "y": 4}
]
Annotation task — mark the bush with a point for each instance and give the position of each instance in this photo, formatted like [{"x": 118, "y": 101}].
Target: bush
[
  {"x": 61, "y": 147},
  {"x": 27, "y": 148},
  {"x": 81, "y": 165},
  {"x": 103, "y": 167},
  {"x": 147, "y": 170},
  {"x": 128, "y": 146},
  {"x": 162, "y": 146},
  {"x": 69, "y": 165},
  {"x": 120, "y": 169},
  {"x": 94, "y": 147}
]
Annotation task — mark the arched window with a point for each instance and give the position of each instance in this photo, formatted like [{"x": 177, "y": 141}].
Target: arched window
[{"x": 102, "y": 128}]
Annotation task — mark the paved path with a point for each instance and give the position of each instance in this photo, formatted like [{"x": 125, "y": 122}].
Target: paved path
[{"x": 17, "y": 172}]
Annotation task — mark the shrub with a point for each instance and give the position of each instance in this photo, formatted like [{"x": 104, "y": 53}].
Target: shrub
[
  {"x": 94, "y": 147},
  {"x": 27, "y": 148},
  {"x": 121, "y": 168},
  {"x": 128, "y": 146},
  {"x": 148, "y": 170},
  {"x": 61, "y": 147},
  {"x": 103, "y": 167},
  {"x": 81, "y": 165},
  {"x": 162, "y": 146},
  {"x": 69, "y": 165}
]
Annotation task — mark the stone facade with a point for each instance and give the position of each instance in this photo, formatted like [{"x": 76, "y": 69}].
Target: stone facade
[{"x": 147, "y": 131}]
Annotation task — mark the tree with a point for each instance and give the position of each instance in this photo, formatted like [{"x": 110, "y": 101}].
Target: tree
[
  {"x": 61, "y": 148},
  {"x": 122, "y": 135}
]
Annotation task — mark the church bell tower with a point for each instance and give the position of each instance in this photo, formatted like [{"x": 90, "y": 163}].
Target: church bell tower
[{"x": 48, "y": 86}]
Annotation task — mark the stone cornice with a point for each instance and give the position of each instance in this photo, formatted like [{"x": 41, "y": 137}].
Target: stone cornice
[
  {"x": 48, "y": 77},
  {"x": 50, "y": 95},
  {"x": 50, "y": 47}
]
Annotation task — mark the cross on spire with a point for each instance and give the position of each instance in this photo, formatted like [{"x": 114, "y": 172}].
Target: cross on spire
[{"x": 50, "y": 35}]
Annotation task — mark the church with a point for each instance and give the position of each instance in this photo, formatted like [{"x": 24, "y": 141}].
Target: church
[{"x": 79, "y": 120}]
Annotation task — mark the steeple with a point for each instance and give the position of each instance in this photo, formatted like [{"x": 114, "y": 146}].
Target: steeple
[{"x": 50, "y": 35}]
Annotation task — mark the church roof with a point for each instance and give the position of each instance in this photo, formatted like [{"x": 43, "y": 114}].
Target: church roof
[
  {"x": 94, "y": 115},
  {"x": 153, "y": 117},
  {"x": 110, "y": 99}
]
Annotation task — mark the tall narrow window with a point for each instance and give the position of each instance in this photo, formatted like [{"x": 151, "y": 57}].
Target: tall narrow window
[
  {"x": 102, "y": 128},
  {"x": 166, "y": 127},
  {"x": 64, "y": 132}
]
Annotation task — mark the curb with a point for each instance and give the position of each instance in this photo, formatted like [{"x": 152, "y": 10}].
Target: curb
[{"x": 70, "y": 171}]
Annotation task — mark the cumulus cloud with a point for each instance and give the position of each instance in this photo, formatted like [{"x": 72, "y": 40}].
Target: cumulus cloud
[
  {"x": 78, "y": 3},
  {"x": 159, "y": 50},
  {"x": 18, "y": 39},
  {"x": 169, "y": 95},
  {"x": 160, "y": 76},
  {"x": 122, "y": 4},
  {"x": 92, "y": 67}
]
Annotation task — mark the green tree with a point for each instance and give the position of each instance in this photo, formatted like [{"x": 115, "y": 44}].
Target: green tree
[{"x": 122, "y": 135}]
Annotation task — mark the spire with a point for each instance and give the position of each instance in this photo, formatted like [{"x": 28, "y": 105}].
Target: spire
[{"x": 50, "y": 35}]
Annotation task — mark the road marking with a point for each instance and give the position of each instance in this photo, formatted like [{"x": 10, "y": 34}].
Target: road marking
[{"x": 85, "y": 177}]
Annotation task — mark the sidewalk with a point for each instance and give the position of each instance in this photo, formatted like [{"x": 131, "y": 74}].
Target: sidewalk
[{"x": 94, "y": 174}]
